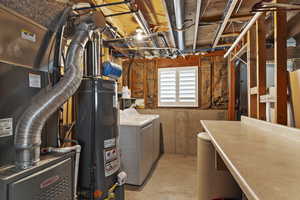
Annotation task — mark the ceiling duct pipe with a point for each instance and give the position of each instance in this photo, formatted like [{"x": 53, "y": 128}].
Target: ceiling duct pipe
[
  {"x": 197, "y": 21},
  {"x": 179, "y": 13},
  {"x": 31, "y": 123}
]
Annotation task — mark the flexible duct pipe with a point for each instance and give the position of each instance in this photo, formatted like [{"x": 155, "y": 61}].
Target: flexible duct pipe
[
  {"x": 31, "y": 123},
  {"x": 178, "y": 6}
]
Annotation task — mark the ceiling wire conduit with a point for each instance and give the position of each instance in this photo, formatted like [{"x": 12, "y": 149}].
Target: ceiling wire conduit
[{"x": 31, "y": 123}]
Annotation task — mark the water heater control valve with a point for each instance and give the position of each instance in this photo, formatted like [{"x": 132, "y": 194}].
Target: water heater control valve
[{"x": 122, "y": 177}]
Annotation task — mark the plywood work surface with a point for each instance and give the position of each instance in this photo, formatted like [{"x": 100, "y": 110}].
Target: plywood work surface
[{"x": 262, "y": 157}]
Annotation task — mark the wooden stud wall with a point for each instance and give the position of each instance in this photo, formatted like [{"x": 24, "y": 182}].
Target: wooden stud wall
[
  {"x": 261, "y": 66},
  {"x": 251, "y": 72},
  {"x": 257, "y": 54},
  {"x": 212, "y": 91},
  {"x": 280, "y": 55},
  {"x": 180, "y": 126},
  {"x": 232, "y": 97}
]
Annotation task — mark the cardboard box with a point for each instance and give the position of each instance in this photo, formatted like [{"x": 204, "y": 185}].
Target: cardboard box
[{"x": 295, "y": 95}]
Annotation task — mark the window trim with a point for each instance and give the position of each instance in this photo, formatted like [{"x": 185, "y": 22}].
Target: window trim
[{"x": 178, "y": 104}]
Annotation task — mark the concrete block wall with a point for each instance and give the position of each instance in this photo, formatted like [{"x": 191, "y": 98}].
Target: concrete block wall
[{"x": 181, "y": 126}]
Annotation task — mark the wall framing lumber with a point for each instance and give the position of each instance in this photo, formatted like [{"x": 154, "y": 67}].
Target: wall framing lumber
[
  {"x": 280, "y": 55},
  {"x": 251, "y": 72},
  {"x": 231, "y": 92},
  {"x": 240, "y": 52},
  {"x": 230, "y": 34},
  {"x": 261, "y": 65}
]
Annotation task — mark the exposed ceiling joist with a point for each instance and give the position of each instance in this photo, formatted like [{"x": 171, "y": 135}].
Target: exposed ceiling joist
[
  {"x": 218, "y": 18},
  {"x": 232, "y": 34},
  {"x": 224, "y": 45},
  {"x": 240, "y": 18},
  {"x": 224, "y": 24}
]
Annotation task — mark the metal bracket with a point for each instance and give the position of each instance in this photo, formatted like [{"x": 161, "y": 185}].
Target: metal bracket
[
  {"x": 104, "y": 5},
  {"x": 122, "y": 13}
]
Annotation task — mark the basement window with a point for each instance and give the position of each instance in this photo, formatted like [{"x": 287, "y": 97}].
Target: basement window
[{"x": 178, "y": 87}]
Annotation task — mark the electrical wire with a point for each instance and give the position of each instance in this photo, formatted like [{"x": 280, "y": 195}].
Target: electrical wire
[{"x": 185, "y": 27}]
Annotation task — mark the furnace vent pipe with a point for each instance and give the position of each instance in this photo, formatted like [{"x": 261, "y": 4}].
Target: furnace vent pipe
[{"x": 31, "y": 123}]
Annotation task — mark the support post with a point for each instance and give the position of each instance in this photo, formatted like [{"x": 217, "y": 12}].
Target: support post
[
  {"x": 261, "y": 65},
  {"x": 280, "y": 57},
  {"x": 231, "y": 102},
  {"x": 251, "y": 72}
]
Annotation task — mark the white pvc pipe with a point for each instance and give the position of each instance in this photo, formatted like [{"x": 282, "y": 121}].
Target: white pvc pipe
[
  {"x": 243, "y": 33},
  {"x": 77, "y": 149}
]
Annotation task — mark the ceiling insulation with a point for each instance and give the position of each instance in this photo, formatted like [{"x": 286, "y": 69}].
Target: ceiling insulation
[
  {"x": 152, "y": 10},
  {"x": 41, "y": 11}
]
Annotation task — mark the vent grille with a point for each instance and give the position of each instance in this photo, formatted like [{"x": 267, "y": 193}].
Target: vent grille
[{"x": 59, "y": 190}]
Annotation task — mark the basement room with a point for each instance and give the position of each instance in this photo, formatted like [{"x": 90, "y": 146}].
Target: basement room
[{"x": 149, "y": 99}]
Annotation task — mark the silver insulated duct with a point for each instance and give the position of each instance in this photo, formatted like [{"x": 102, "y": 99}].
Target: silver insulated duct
[
  {"x": 179, "y": 13},
  {"x": 30, "y": 125}
]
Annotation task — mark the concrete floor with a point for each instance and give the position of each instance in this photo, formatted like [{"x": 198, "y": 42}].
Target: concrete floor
[{"x": 173, "y": 179}]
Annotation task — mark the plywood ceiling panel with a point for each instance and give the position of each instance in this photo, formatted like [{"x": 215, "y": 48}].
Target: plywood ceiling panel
[{"x": 213, "y": 7}]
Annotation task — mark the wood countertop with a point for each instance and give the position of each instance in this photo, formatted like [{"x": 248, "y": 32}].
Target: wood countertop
[{"x": 264, "y": 158}]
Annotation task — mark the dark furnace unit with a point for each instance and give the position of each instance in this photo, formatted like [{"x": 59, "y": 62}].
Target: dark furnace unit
[
  {"x": 24, "y": 174},
  {"x": 29, "y": 106},
  {"x": 97, "y": 130}
]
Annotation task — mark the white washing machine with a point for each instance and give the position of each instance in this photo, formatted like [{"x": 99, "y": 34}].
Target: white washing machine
[
  {"x": 156, "y": 127},
  {"x": 139, "y": 143}
]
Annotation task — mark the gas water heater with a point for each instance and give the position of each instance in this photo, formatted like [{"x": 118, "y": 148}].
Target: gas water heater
[{"x": 97, "y": 130}]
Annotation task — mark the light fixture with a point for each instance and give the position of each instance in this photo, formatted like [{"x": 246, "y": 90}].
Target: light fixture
[{"x": 139, "y": 34}]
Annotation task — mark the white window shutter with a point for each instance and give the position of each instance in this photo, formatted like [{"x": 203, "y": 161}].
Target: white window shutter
[
  {"x": 178, "y": 87},
  {"x": 167, "y": 86},
  {"x": 188, "y": 85}
]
